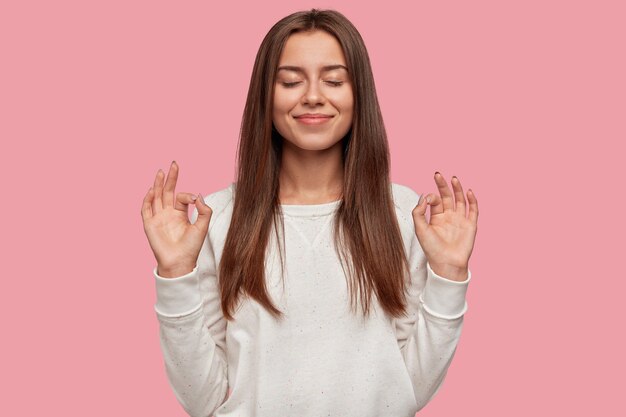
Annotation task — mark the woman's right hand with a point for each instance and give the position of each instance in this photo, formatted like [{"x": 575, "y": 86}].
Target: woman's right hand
[{"x": 175, "y": 241}]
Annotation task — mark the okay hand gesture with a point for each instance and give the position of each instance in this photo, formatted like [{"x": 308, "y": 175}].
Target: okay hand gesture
[
  {"x": 448, "y": 239},
  {"x": 175, "y": 241}
]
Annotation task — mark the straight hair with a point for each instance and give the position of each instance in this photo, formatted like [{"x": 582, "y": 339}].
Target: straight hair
[{"x": 366, "y": 233}]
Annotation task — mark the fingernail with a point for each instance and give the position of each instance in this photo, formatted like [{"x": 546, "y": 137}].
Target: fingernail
[
  {"x": 428, "y": 199},
  {"x": 193, "y": 198},
  {"x": 437, "y": 173}
]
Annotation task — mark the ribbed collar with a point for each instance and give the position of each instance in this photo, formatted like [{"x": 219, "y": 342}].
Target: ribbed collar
[{"x": 309, "y": 210}]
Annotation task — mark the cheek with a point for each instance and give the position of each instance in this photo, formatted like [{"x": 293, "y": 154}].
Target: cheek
[
  {"x": 345, "y": 101},
  {"x": 279, "y": 109},
  {"x": 283, "y": 103},
  {"x": 347, "y": 107}
]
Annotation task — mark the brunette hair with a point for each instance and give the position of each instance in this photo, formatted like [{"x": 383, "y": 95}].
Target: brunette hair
[{"x": 366, "y": 232}]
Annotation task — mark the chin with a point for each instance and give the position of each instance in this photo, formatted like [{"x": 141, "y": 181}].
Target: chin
[{"x": 313, "y": 145}]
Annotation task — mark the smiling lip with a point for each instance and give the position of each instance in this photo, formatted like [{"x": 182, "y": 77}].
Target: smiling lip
[{"x": 313, "y": 119}]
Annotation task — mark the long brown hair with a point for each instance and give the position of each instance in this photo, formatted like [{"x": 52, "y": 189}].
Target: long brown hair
[{"x": 367, "y": 236}]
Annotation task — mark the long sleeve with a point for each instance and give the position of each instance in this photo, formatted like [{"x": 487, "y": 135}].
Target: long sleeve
[
  {"x": 429, "y": 334},
  {"x": 192, "y": 334}
]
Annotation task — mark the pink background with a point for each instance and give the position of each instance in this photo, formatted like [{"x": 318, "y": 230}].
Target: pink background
[{"x": 523, "y": 101}]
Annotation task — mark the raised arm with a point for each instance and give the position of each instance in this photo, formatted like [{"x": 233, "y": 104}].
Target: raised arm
[
  {"x": 192, "y": 328},
  {"x": 429, "y": 335},
  {"x": 192, "y": 335},
  {"x": 438, "y": 255}
]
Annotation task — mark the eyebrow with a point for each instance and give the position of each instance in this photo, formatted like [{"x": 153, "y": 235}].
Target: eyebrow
[{"x": 300, "y": 69}]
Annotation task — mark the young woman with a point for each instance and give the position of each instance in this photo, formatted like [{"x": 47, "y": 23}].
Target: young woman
[{"x": 258, "y": 295}]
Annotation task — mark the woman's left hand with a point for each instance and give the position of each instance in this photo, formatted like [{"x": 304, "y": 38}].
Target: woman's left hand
[{"x": 448, "y": 239}]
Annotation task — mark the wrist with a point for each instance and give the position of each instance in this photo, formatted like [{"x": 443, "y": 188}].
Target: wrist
[
  {"x": 454, "y": 273},
  {"x": 174, "y": 271}
]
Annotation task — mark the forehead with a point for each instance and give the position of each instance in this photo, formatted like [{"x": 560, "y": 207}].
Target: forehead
[{"x": 312, "y": 51}]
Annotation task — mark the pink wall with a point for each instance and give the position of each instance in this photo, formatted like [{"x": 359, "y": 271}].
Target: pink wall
[{"x": 523, "y": 101}]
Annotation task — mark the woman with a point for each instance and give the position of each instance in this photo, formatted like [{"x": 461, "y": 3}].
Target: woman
[{"x": 253, "y": 292}]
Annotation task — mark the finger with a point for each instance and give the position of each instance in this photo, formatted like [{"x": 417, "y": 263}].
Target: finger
[
  {"x": 435, "y": 203},
  {"x": 444, "y": 190},
  {"x": 459, "y": 197},
  {"x": 183, "y": 200},
  {"x": 473, "y": 206},
  {"x": 170, "y": 184},
  {"x": 204, "y": 214},
  {"x": 157, "y": 203},
  {"x": 419, "y": 214},
  {"x": 146, "y": 207}
]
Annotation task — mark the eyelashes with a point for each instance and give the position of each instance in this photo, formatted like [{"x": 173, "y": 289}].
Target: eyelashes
[{"x": 293, "y": 84}]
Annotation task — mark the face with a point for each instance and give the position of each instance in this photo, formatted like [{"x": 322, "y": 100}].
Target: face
[{"x": 312, "y": 78}]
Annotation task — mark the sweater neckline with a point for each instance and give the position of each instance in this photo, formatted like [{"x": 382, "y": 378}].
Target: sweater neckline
[{"x": 303, "y": 210}]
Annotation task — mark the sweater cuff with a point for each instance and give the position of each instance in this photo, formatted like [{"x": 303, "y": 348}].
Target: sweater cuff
[
  {"x": 178, "y": 296},
  {"x": 443, "y": 297}
]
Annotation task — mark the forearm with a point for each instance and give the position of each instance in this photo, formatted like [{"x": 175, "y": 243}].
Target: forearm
[
  {"x": 191, "y": 337},
  {"x": 196, "y": 369},
  {"x": 431, "y": 342},
  {"x": 428, "y": 353}
]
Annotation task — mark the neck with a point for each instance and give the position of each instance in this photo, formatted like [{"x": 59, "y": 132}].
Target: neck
[{"x": 311, "y": 176}]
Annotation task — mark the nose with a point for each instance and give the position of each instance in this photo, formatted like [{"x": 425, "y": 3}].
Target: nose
[{"x": 313, "y": 95}]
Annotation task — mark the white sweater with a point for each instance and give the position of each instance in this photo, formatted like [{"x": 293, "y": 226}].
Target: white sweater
[{"x": 321, "y": 360}]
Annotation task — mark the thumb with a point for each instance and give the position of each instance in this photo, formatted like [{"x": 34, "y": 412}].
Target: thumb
[
  {"x": 204, "y": 214},
  {"x": 419, "y": 214}
]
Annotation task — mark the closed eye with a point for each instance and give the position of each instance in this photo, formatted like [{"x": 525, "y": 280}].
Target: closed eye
[{"x": 293, "y": 84}]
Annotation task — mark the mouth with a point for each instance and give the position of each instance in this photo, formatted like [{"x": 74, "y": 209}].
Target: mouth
[{"x": 313, "y": 120}]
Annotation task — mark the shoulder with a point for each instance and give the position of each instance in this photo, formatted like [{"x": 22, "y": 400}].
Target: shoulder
[
  {"x": 221, "y": 203},
  {"x": 219, "y": 200},
  {"x": 404, "y": 198}
]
